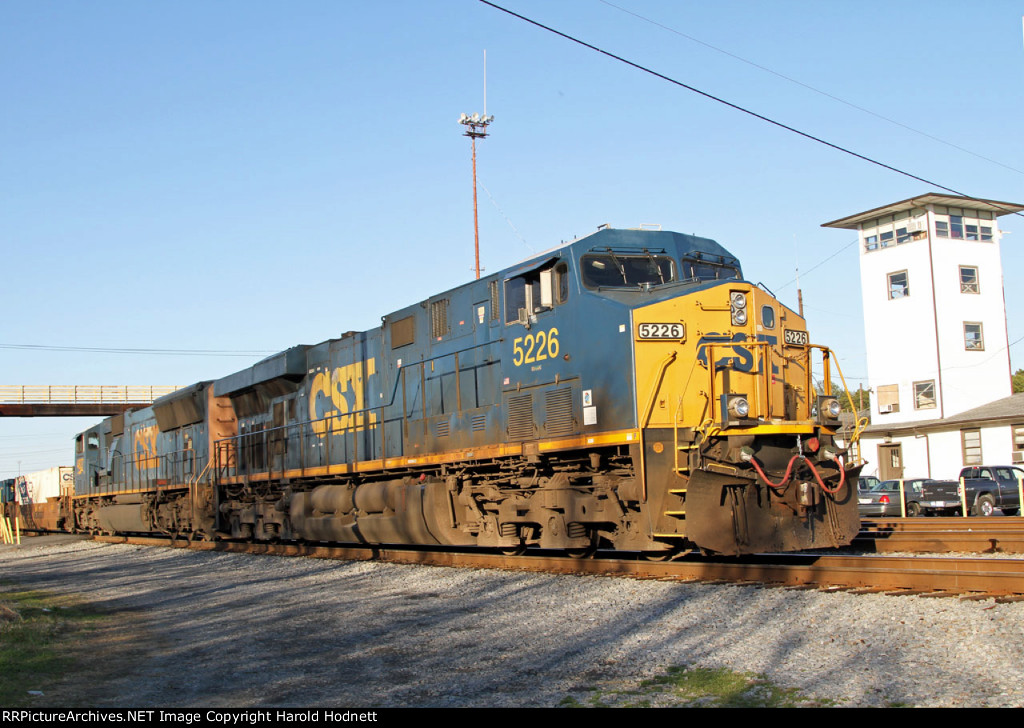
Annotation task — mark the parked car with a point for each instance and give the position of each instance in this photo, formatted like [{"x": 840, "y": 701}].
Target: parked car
[
  {"x": 987, "y": 487},
  {"x": 867, "y": 482},
  {"x": 1006, "y": 497},
  {"x": 883, "y": 499}
]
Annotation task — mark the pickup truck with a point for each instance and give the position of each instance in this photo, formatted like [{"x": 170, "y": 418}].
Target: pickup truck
[{"x": 987, "y": 488}]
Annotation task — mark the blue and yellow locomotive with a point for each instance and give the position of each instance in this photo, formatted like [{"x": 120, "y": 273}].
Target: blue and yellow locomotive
[{"x": 627, "y": 390}]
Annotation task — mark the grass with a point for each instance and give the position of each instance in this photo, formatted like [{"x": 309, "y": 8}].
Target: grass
[
  {"x": 38, "y": 632},
  {"x": 699, "y": 687}
]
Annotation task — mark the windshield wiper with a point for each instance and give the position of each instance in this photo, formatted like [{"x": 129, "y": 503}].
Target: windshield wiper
[
  {"x": 622, "y": 269},
  {"x": 657, "y": 267}
]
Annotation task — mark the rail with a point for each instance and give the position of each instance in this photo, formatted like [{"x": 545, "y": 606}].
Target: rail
[{"x": 82, "y": 394}]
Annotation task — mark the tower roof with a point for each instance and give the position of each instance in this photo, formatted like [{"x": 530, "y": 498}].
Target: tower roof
[{"x": 931, "y": 198}]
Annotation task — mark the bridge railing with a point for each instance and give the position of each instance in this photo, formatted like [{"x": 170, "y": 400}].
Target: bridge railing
[{"x": 81, "y": 394}]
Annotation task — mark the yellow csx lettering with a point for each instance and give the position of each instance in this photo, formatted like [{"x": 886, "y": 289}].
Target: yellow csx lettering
[
  {"x": 530, "y": 349},
  {"x": 144, "y": 441},
  {"x": 334, "y": 393}
]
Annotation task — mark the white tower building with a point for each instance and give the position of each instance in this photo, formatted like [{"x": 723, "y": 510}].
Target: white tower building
[{"x": 934, "y": 311}]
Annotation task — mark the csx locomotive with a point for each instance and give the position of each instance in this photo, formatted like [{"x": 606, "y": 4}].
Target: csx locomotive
[{"x": 628, "y": 390}]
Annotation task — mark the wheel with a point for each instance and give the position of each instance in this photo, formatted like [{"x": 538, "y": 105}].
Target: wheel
[
  {"x": 657, "y": 556},
  {"x": 583, "y": 553},
  {"x": 588, "y": 551},
  {"x": 985, "y": 506},
  {"x": 913, "y": 509},
  {"x": 517, "y": 550}
]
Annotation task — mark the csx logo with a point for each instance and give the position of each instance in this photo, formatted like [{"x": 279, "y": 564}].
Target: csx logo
[
  {"x": 742, "y": 358},
  {"x": 332, "y": 394},
  {"x": 144, "y": 447}
]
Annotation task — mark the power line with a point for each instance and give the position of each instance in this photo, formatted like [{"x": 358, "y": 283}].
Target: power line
[
  {"x": 811, "y": 88},
  {"x": 502, "y": 213},
  {"x": 113, "y": 350},
  {"x": 818, "y": 265},
  {"x": 731, "y": 105}
]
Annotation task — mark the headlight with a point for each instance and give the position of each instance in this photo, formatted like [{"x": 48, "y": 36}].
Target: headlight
[
  {"x": 738, "y": 307},
  {"x": 739, "y": 407},
  {"x": 828, "y": 408}
]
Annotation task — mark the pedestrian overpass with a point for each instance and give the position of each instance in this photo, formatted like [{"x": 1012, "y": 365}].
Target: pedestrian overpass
[{"x": 45, "y": 400}]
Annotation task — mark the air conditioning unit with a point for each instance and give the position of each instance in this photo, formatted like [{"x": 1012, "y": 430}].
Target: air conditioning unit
[
  {"x": 884, "y": 409},
  {"x": 917, "y": 225},
  {"x": 1018, "y": 456}
]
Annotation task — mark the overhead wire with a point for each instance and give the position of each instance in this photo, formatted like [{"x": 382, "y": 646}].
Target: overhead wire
[
  {"x": 730, "y": 104},
  {"x": 818, "y": 265},
  {"x": 756, "y": 115},
  {"x": 117, "y": 350},
  {"x": 811, "y": 88}
]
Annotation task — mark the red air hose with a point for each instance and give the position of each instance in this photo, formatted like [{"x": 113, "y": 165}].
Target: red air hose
[{"x": 789, "y": 470}]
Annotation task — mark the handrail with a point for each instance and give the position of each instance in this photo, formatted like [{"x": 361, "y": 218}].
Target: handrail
[
  {"x": 143, "y": 471},
  {"x": 241, "y": 442}
]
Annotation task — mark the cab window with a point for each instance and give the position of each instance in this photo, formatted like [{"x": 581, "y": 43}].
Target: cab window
[
  {"x": 615, "y": 270},
  {"x": 535, "y": 292},
  {"x": 705, "y": 270}
]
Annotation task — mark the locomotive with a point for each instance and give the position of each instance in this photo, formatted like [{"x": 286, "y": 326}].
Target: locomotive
[{"x": 626, "y": 390}]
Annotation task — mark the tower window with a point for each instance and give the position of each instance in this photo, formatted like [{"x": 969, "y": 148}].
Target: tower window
[
  {"x": 974, "y": 338},
  {"x": 956, "y": 227},
  {"x": 888, "y": 399},
  {"x": 924, "y": 395},
  {"x": 899, "y": 285},
  {"x": 969, "y": 279}
]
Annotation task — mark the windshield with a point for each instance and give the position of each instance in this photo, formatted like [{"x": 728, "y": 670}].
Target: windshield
[
  {"x": 611, "y": 270},
  {"x": 703, "y": 270}
]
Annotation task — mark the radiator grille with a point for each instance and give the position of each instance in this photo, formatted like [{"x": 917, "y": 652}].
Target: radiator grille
[
  {"x": 520, "y": 417},
  {"x": 439, "y": 318},
  {"x": 558, "y": 411},
  {"x": 494, "y": 301}
]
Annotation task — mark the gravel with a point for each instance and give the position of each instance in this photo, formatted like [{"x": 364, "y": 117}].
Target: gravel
[{"x": 204, "y": 629}]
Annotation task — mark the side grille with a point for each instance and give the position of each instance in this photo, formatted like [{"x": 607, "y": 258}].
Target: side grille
[
  {"x": 442, "y": 428},
  {"x": 558, "y": 411},
  {"x": 478, "y": 423},
  {"x": 439, "y": 318},
  {"x": 520, "y": 417},
  {"x": 495, "y": 312}
]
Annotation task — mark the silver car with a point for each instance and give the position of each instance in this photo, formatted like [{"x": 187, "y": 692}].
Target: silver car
[{"x": 883, "y": 499}]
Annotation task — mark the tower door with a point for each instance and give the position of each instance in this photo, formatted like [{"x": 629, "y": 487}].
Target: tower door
[{"x": 890, "y": 462}]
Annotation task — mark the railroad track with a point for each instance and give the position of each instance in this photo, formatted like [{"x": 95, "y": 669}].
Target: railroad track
[
  {"x": 931, "y": 576},
  {"x": 942, "y": 535}
]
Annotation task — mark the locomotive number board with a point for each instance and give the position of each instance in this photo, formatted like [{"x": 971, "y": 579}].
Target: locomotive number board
[
  {"x": 795, "y": 338},
  {"x": 661, "y": 331}
]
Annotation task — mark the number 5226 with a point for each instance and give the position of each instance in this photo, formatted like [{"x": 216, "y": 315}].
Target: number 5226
[{"x": 534, "y": 348}]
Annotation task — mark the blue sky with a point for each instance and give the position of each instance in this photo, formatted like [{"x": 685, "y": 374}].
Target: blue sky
[{"x": 245, "y": 176}]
